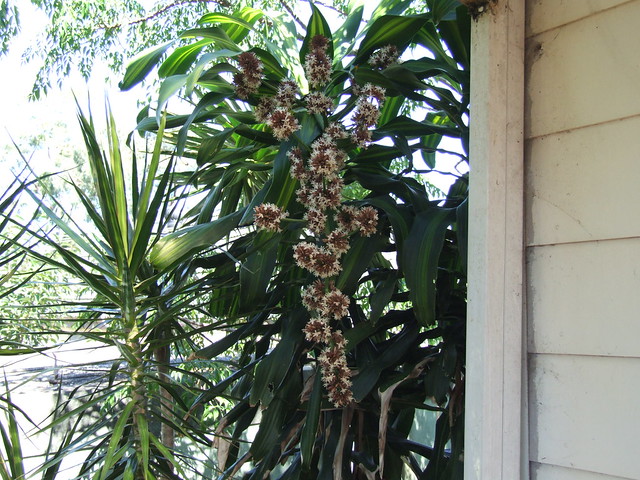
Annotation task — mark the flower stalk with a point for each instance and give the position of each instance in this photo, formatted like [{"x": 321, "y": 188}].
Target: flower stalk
[{"x": 329, "y": 222}]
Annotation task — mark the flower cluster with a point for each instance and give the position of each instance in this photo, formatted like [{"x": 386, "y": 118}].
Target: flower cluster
[
  {"x": 317, "y": 65},
  {"x": 329, "y": 223},
  {"x": 277, "y": 111},
  {"x": 249, "y": 76},
  {"x": 384, "y": 57},
  {"x": 268, "y": 216},
  {"x": 283, "y": 123},
  {"x": 370, "y": 98}
]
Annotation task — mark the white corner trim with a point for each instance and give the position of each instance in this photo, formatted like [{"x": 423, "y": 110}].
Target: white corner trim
[{"x": 495, "y": 421}]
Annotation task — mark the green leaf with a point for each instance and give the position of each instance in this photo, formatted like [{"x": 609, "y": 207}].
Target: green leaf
[
  {"x": 389, "y": 30},
  {"x": 456, "y": 35},
  {"x": 256, "y": 270},
  {"x": 234, "y": 25},
  {"x": 381, "y": 295},
  {"x": 348, "y": 31},
  {"x": 180, "y": 245},
  {"x": 209, "y": 100},
  {"x": 168, "y": 88},
  {"x": 194, "y": 75},
  {"x": 114, "y": 453},
  {"x": 141, "y": 65},
  {"x": 420, "y": 260},
  {"x": 390, "y": 7},
  {"x": 274, "y": 368},
  {"x": 317, "y": 26},
  {"x": 356, "y": 260},
  {"x": 271, "y": 64},
  {"x": 274, "y": 417},
  {"x": 410, "y": 128},
  {"x": 442, "y": 9},
  {"x": 462, "y": 231},
  {"x": 216, "y": 34},
  {"x": 182, "y": 58},
  {"x": 392, "y": 352}
]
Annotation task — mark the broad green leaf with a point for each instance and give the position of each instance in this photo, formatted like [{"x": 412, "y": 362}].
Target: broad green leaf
[
  {"x": 141, "y": 65},
  {"x": 216, "y": 34},
  {"x": 377, "y": 154},
  {"x": 356, "y": 260},
  {"x": 181, "y": 59},
  {"x": 348, "y": 31},
  {"x": 180, "y": 245},
  {"x": 392, "y": 352},
  {"x": 256, "y": 270},
  {"x": 273, "y": 369},
  {"x": 390, "y": 109},
  {"x": 430, "y": 39},
  {"x": 200, "y": 65},
  {"x": 381, "y": 295},
  {"x": 282, "y": 407},
  {"x": 271, "y": 64},
  {"x": 410, "y": 128},
  {"x": 389, "y": 30},
  {"x": 390, "y": 7},
  {"x": 168, "y": 88},
  {"x": 456, "y": 35},
  {"x": 211, "y": 99},
  {"x": 317, "y": 26},
  {"x": 442, "y": 9},
  {"x": 420, "y": 260},
  {"x": 462, "y": 231},
  {"x": 235, "y": 25}
]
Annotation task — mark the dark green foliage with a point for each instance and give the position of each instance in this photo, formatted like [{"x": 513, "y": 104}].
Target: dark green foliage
[{"x": 407, "y": 358}]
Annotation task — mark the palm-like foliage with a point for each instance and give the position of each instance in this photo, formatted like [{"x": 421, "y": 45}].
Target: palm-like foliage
[
  {"x": 406, "y": 357},
  {"x": 135, "y": 308}
]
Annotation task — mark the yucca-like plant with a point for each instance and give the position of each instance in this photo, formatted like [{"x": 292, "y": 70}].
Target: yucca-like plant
[{"x": 143, "y": 311}]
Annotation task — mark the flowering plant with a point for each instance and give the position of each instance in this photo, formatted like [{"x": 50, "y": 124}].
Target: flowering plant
[{"x": 341, "y": 286}]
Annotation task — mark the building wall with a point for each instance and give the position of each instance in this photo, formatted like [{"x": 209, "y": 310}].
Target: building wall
[{"x": 582, "y": 234}]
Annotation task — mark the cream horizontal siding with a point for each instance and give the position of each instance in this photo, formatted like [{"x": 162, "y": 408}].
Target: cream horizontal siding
[
  {"x": 543, "y": 15},
  {"x": 585, "y": 72},
  {"x": 585, "y": 299},
  {"x": 579, "y": 425},
  {"x": 583, "y": 184},
  {"x": 543, "y": 471},
  {"x": 582, "y": 233}
]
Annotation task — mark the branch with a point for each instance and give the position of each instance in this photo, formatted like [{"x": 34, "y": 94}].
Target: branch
[
  {"x": 162, "y": 11},
  {"x": 292, "y": 13},
  {"x": 331, "y": 7}
]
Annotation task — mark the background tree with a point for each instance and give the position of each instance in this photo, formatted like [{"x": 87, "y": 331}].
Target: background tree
[{"x": 80, "y": 33}]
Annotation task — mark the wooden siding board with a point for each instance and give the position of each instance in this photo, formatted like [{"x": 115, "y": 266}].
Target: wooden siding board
[
  {"x": 584, "y": 74},
  {"x": 542, "y": 471},
  {"x": 583, "y": 298},
  {"x": 582, "y": 185},
  {"x": 543, "y": 15},
  {"x": 575, "y": 421}
]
